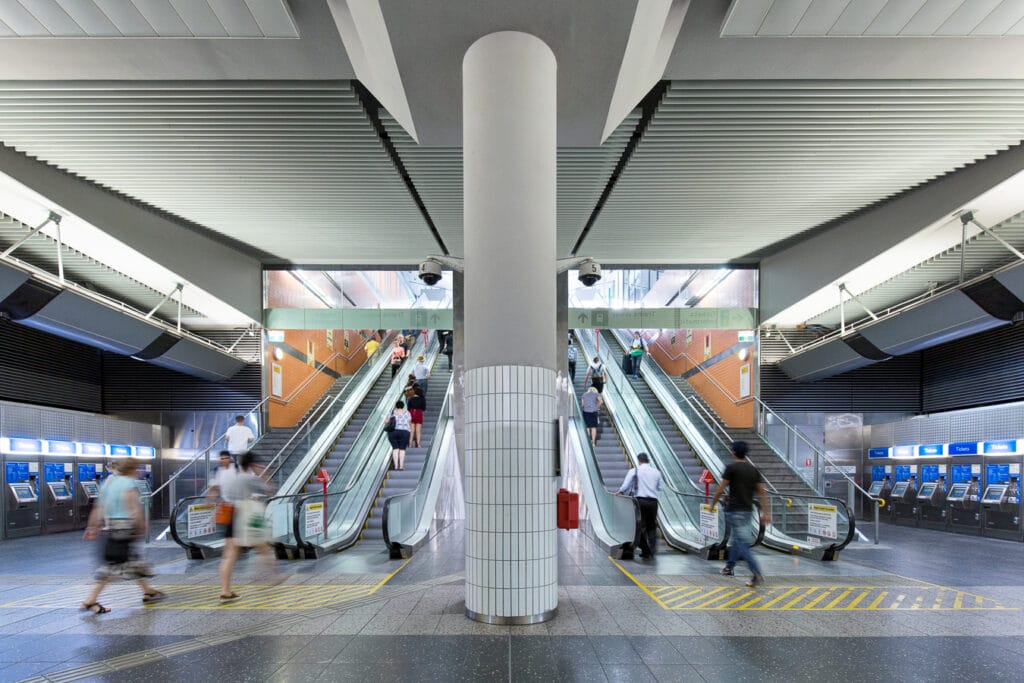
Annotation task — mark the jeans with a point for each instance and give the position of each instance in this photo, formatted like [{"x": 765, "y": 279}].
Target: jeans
[
  {"x": 423, "y": 386},
  {"x": 636, "y": 364},
  {"x": 740, "y": 537}
]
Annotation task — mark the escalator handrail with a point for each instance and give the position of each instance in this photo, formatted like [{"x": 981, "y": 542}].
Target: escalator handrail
[
  {"x": 427, "y": 473},
  {"x": 174, "y": 522},
  {"x": 372, "y": 445},
  {"x": 839, "y": 502}
]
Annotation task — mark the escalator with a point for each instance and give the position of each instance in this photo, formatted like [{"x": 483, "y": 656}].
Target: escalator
[
  {"x": 612, "y": 459},
  {"x": 679, "y": 502},
  {"x": 791, "y": 530},
  {"x": 321, "y": 524},
  {"x": 399, "y": 482},
  {"x": 320, "y": 442}
]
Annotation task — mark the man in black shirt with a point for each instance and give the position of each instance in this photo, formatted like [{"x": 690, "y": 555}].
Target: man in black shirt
[{"x": 743, "y": 481}]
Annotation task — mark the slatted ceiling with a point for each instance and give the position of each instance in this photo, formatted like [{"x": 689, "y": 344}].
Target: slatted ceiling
[
  {"x": 294, "y": 169},
  {"x": 147, "y": 18},
  {"x": 984, "y": 254},
  {"x": 874, "y": 18},
  {"x": 979, "y": 370},
  {"x": 751, "y": 163},
  {"x": 582, "y": 175},
  {"x": 893, "y": 385},
  {"x": 40, "y": 251}
]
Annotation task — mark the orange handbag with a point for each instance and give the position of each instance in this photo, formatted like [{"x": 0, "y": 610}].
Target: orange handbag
[{"x": 224, "y": 513}]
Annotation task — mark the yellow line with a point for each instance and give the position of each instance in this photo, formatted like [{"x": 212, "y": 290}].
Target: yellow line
[
  {"x": 807, "y": 593},
  {"x": 863, "y": 594},
  {"x": 958, "y": 603},
  {"x": 676, "y": 589},
  {"x": 877, "y": 601},
  {"x": 842, "y": 596},
  {"x": 387, "y": 578},
  {"x": 632, "y": 578},
  {"x": 725, "y": 605},
  {"x": 898, "y": 601},
  {"x": 774, "y": 600},
  {"x": 699, "y": 598},
  {"x": 682, "y": 596},
  {"x": 818, "y": 599}
]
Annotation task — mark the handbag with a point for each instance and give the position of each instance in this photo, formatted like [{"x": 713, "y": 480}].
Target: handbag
[
  {"x": 224, "y": 513},
  {"x": 390, "y": 425},
  {"x": 251, "y": 524}
]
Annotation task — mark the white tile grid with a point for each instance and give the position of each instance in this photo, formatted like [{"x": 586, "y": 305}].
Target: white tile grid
[{"x": 511, "y": 543}]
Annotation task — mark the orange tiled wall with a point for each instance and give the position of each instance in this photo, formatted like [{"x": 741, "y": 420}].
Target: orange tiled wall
[{"x": 675, "y": 359}]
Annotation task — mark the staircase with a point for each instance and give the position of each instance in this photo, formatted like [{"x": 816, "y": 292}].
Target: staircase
[
  {"x": 611, "y": 456},
  {"x": 396, "y": 482}
]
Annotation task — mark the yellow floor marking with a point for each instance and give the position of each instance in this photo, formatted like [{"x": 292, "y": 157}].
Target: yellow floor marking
[
  {"x": 725, "y": 605},
  {"x": 777, "y": 599},
  {"x": 721, "y": 596},
  {"x": 699, "y": 598},
  {"x": 632, "y": 578},
  {"x": 897, "y": 602},
  {"x": 917, "y": 602},
  {"x": 958, "y": 603},
  {"x": 675, "y": 590},
  {"x": 807, "y": 593},
  {"x": 856, "y": 601},
  {"x": 691, "y": 590},
  {"x": 842, "y": 596},
  {"x": 818, "y": 599},
  {"x": 877, "y": 601}
]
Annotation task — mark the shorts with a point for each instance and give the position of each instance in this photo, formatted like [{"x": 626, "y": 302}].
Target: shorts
[
  {"x": 399, "y": 439},
  {"x": 417, "y": 416},
  {"x": 590, "y": 419},
  {"x": 229, "y": 528}
]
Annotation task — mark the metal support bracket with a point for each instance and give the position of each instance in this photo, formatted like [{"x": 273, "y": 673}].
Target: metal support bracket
[
  {"x": 968, "y": 217},
  {"x": 52, "y": 218},
  {"x": 177, "y": 288},
  {"x": 842, "y": 287}
]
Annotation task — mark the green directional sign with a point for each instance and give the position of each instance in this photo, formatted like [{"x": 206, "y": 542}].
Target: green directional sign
[
  {"x": 441, "y": 318},
  {"x": 357, "y": 318}
]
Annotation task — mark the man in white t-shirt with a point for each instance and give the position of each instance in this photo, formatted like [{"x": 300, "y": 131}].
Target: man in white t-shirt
[
  {"x": 220, "y": 486},
  {"x": 239, "y": 437}
]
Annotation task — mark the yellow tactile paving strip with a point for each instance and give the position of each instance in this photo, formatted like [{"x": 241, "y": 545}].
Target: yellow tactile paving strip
[
  {"x": 732, "y": 596},
  {"x": 207, "y": 597}
]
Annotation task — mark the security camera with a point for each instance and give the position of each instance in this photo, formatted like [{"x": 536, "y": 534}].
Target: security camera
[
  {"x": 430, "y": 272},
  {"x": 590, "y": 272}
]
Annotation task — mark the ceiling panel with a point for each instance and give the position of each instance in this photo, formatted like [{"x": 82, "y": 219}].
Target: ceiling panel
[
  {"x": 873, "y": 18},
  {"x": 294, "y": 169},
  {"x": 147, "y": 18},
  {"x": 583, "y": 173},
  {"x": 983, "y": 254},
  {"x": 728, "y": 168},
  {"x": 41, "y": 251}
]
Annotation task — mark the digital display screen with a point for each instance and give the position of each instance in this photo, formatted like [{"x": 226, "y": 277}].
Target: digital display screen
[
  {"x": 927, "y": 490},
  {"x": 876, "y": 488},
  {"x": 91, "y": 488},
  {"x": 958, "y": 491},
  {"x": 143, "y": 486},
  {"x": 23, "y": 492},
  {"x": 59, "y": 490},
  {"x": 899, "y": 489},
  {"x": 994, "y": 493},
  {"x": 961, "y": 473}
]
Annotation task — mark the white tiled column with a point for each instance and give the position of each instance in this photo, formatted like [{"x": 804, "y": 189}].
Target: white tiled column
[
  {"x": 511, "y": 542},
  {"x": 509, "y": 158}
]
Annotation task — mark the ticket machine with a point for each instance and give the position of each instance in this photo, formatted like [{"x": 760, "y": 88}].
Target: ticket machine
[
  {"x": 903, "y": 501},
  {"x": 931, "y": 504},
  {"x": 962, "y": 506},
  {"x": 881, "y": 488},
  {"x": 21, "y": 493},
  {"x": 87, "y": 491},
  {"x": 57, "y": 497},
  {"x": 1000, "y": 505}
]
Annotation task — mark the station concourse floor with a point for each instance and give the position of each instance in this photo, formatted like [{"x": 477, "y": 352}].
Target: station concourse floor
[{"x": 922, "y": 605}]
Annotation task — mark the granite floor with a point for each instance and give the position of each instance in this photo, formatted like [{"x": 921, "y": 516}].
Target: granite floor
[{"x": 359, "y": 616}]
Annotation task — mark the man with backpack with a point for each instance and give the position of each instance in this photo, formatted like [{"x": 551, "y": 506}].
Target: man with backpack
[{"x": 636, "y": 353}]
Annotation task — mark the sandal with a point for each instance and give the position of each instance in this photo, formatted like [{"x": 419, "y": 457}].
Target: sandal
[
  {"x": 153, "y": 597},
  {"x": 95, "y": 608},
  {"x": 229, "y": 596}
]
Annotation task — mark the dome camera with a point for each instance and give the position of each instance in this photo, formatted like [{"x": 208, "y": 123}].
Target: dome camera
[
  {"x": 430, "y": 272},
  {"x": 590, "y": 272}
]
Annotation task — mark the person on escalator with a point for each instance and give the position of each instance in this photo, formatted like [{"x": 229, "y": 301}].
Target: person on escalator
[
  {"x": 572, "y": 360},
  {"x": 397, "y": 356},
  {"x": 596, "y": 375},
  {"x": 743, "y": 481},
  {"x": 398, "y": 425},
  {"x": 447, "y": 341},
  {"x": 646, "y": 481},
  {"x": 637, "y": 349},
  {"x": 417, "y": 404},
  {"x": 591, "y": 403},
  {"x": 422, "y": 373}
]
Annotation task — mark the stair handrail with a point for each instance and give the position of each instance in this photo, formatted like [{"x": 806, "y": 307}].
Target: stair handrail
[
  {"x": 735, "y": 401},
  {"x": 320, "y": 368}
]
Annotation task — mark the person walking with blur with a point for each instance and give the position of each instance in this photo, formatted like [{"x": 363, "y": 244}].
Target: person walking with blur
[
  {"x": 422, "y": 373},
  {"x": 596, "y": 375},
  {"x": 118, "y": 513},
  {"x": 743, "y": 481},
  {"x": 637, "y": 349},
  {"x": 417, "y": 405},
  {"x": 646, "y": 482},
  {"x": 247, "y": 523},
  {"x": 398, "y": 426},
  {"x": 590, "y": 404}
]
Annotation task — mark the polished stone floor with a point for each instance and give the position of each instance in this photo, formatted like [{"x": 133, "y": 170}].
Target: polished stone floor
[{"x": 921, "y": 605}]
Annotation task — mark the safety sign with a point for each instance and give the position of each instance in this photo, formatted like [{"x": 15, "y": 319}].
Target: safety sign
[
  {"x": 314, "y": 519},
  {"x": 708, "y": 522},
  {"x": 201, "y": 520},
  {"x": 821, "y": 520}
]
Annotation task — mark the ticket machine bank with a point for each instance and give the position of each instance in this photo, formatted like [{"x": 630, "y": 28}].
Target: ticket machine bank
[
  {"x": 1000, "y": 502},
  {"x": 931, "y": 504},
  {"x": 21, "y": 493},
  {"x": 962, "y": 501},
  {"x": 57, "y": 499}
]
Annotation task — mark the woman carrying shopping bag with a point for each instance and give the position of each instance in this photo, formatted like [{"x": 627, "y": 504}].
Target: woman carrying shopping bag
[{"x": 248, "y": 524}]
